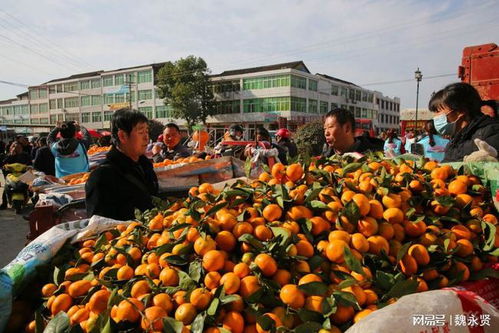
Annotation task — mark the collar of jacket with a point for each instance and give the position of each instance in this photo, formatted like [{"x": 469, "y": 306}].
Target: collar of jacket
[
  {"x": 122, "y": 161},
  {"x": 475, "y": 124}
]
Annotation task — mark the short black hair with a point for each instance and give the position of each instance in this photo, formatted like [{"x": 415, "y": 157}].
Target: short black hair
[
  {"x": 436, "y": 101},
  {"x": 43, "y": 140},
  {"x": 262, "y": 131},
  {"x": 342, "y": 116},
  {"x": 68, "y": 129},
  {"x": 125, "y": 120},
  {"x": 173, "y": 125},
  {"x": 236, "y": 128}
]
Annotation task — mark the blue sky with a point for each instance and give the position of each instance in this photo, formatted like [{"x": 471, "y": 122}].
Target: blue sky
[{"x": 361, "y": 41}]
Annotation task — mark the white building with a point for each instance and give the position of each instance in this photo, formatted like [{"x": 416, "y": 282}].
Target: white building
[
  {"x": 389, "y": 112},
  {"x": 281, "y": 95}
]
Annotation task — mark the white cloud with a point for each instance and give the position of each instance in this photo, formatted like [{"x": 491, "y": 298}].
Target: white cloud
[{"x": 360, "y": 41}]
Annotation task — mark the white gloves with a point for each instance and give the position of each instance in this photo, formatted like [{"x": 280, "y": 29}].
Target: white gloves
[{"x": 485, "y": 153}]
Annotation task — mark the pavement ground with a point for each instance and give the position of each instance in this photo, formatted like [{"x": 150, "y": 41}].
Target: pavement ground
[{"x": 13, "y": 231}]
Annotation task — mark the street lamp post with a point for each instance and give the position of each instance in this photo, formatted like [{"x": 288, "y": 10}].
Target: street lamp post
[{"x": 418, "y": 76}]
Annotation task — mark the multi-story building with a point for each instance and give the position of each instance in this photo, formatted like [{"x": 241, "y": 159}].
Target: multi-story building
[
  {"x": 281, "y": 95},
  {"x": 389, "y": 112}
]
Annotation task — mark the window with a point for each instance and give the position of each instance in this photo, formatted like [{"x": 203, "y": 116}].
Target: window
[
  {"x": 33, "y": 94},
  {"x": 35, "y": 121},
  {"x": 343, "y": 91},
  {"x": 108, "y": 115},
  {"x": 323, "y": 107},
  {"x": 85, "y": 117},
  {"x": 334, "y": 106},
  {"x": 298, "y": 104},
  {"x": 144, "y": 76},
  {"x": 130, "y": 77},
  {"x": 145, "y": 95},
  {"x": 312, "y": 85},
  {"x": 73, "y": 116},
  {"x": 59, "y": 88},
  {"x": 127, "y": 98},
  {"x": 224, "y": 86},
  {"x": 119, "y": 98},
  {"x": 260, "y": 83},
  {"x": 96, "y": 100},
  {"x": 43, "y": 93},
  {"x": 95, "y": 83},
  {"x": 264, "y": 104},
  {"x": 85, "y": 84},
  {"x": 44, "y": 108},
  {"x": 51, "y": 89},
  {"x": 312, "y": 106},
  {"x": 357, "y": 113},
  {"x": 344, "y": 106},
  {"x": 108, "y": 98},
  {"x": 52, "y": 104},
  {"x": 71, "y": 86},
  {"x": 119, "y": 79},
  {"x": 107, "y": 81},
  {"x": 298, "y": 82},
  {"x": 147, "y": 111},
  {"x": 334, "y": 90},
  {"x": 358, "y": 95},
  {"x": 53, "y": 118},
  {"x": 163, "y": 111},
  {"x": 60, "y": 103},
  {"x": 34, "y": 109},
  {"x": 364, "y": 113},
  {"x": 226, "y": 107},
  {"x": 86, "y": 100},
  {"x": 364, "y": 96},
  {"x": 60, "y": 117},
  {"x": 71, "y": 102},
  {"x": 96, "y": 117},
  {"x": 44, "y": 120}
]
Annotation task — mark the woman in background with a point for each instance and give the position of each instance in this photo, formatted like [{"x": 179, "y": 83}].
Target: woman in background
[{"x": 433, "y": 144}]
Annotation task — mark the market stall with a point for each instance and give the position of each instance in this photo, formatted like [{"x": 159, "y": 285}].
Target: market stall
[{"x": 331, "y": 245}]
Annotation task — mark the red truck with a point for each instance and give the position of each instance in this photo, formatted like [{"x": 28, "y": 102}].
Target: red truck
[{"x": 480, "y": 68}]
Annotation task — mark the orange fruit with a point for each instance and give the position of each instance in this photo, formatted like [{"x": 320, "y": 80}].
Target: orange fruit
[
  {"x": 241, "y": 270},
  {"x": 367, "y": 226},
  {"x": 464, "y": 247},
  {"x": 225, "y": 240},
  {"x": 129, "y": 310},
  {"x": 378, "y": 243},
  {"x": 319, "y": 225},
  {"x": 249, "y": 285},
  {"x": 212, "y": 280},
  {"x": 203, "y": 245},
  {"x": 278, "y": 171},
  {"x": 227, "y": 221},
  {"x": 282, "y": 277},
  {"x": 461, "y": 232},
  {"x": 231, "y": 283},
  {"x": 125, "y": 273},
  {"x": 339, "y": 234},
  {"x": 335, "y": 250},
  {"x": 48, "y": 289},
  {"x": 61, "y": 302},
  {"x": 420, "y": 254},
  {"x": 359, "y": 242},
  {"x": 376, "y": 209},
  {"x": 79, "y": 288},
  {"x": 361, "y": 314},
  {"x": 213, "y": 260},
  {"x": 408, "y": 265},
  {"x": 272, "y": 212},
  {"x": 98, "y": 301},
  {"x": 393, "y": 215},
  {"x": 233, "y": 321},
  {"x": 153, "y": 319},
  {"x": 363, "y": 203},
  {"x": 263, "y": 233},
  {"x": 169, "y": 277},
  {"x": 343, "y": 314},
  {"x": 457, "y": 187},
  {"x": 292, "y": 296},
  {"x": 309, "y": 278},
  {"x": 314, "y": 303},
  {"x": 140, "y": 288},
  {"x": 298, "y": 212},
  {"x": 391, "y": 200},
  {"x": 164, "y": 301},
  {"x": 266, "y": 263},
  {"x": 200, "y": 298},
  {"x": 185, "y": 313}
]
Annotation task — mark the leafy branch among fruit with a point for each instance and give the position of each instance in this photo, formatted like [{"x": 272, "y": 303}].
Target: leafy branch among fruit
[{"x": 311, "y": 247}]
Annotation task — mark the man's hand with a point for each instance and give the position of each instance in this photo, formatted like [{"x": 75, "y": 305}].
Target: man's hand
[{"x": 156, "y": 149}]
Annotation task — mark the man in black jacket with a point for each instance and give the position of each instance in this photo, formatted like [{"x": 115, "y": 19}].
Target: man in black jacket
[
  {"x": 126, "y": 180},
  {"x": 44, "y": 160},
  {"x": 339, "y": 130}
]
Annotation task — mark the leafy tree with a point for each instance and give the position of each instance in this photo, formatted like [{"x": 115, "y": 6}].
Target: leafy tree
[
  {"x": 310, "y": 139},
  {"x": 155, "y": 129},
  {"x": 185, "y": 86}
]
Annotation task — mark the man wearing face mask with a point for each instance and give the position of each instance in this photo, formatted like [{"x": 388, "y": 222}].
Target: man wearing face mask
[{"x": 459, "y": 116}]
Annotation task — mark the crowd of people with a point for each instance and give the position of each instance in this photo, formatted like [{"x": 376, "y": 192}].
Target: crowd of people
[{"x": 127, "y": 174}]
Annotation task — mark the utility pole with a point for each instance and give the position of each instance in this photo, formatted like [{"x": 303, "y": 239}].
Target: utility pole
[{"x": 418, "y": 76}]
